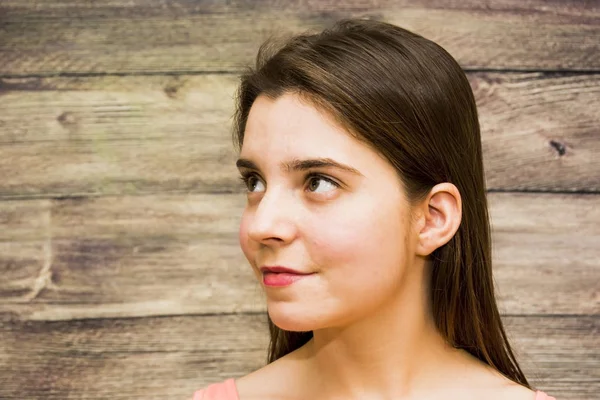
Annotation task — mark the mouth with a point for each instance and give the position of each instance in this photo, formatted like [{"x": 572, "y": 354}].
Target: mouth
[
  {"x": 278, "y": 279},
  {"x": 281, "y": 270}
]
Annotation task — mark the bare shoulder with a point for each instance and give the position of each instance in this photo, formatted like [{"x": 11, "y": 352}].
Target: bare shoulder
[
  {"x": 499, "y": 387},
  {"x": 488, "y": 383},
  {"x": 278, "y": 380},
  {"x": 513, "y": 391},
  {"x": 254, "y": 385},
  {"x": 473, "y": 387}
]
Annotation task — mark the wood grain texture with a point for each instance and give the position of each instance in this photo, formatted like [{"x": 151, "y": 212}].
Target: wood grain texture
[
  {"x": 121, "y": 272},
  {"x": 132, "y": 135},
  {"x": 148, "y": 358},
  {"x": 181, "y": 36},
  {"x": 170, "y": 255},
  {"x": 158, "y": 358}
]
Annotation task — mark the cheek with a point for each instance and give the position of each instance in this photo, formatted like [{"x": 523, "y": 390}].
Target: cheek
[
  {"x": 372, "y": 232},
  {"x": 244, "y": 240},
  {"x": 361, "y": 249},
  {"x": 335, "y": 244},
  {"x": 361, "y": 260}
]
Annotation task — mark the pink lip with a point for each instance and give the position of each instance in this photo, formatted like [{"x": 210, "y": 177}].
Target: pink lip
[
  {"x": 279, "y": 269},
  {"x": 281, "y": 278}
]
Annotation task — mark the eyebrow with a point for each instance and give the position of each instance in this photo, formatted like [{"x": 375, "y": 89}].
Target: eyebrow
[{"x": 301, "y": 165}]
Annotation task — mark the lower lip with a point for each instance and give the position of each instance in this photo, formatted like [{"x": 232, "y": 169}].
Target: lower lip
[{"x": 281, "y": 279}]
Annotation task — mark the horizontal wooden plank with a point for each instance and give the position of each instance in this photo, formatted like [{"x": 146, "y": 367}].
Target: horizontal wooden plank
[
  {"x": 131, "y": 135},
  {"x": 545, "y": 245},
  {"x": 116, "y": 135},
  {"x": 169, "y": 255},
  {"x": 25, "y": 220},
  {"x": 133, "y": 256},
  {"x": 147, "y": 358},
  {"x": 157, "y": 358},
  {"x": 81, "y": 37},
  {"x": 538, "y": 129}
]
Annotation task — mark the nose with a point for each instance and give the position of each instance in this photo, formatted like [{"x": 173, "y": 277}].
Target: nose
[{"x": 273, "y": 219}]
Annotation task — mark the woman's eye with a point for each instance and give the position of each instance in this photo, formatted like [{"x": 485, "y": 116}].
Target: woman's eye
[
  {"x": 251, "y": 182},
  {"x": 316, "y": 181}
]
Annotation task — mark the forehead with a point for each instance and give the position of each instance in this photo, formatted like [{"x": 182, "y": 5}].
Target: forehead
[{"x": 290, "y": 127}]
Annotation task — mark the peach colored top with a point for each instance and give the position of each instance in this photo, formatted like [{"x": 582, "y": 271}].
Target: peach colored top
[{"x": 226, "y": 390}]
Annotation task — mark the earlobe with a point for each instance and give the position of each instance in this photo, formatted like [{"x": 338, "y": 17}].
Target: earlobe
[{"x": 441, "y": 216}]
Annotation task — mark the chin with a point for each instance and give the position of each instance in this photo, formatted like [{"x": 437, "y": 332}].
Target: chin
[{"x": 291, "y": 321}]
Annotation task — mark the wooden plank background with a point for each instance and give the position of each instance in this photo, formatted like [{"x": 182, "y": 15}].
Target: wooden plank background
[{"x": 121, "y": 272}]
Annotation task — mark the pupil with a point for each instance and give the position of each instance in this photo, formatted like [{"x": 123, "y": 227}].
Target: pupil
[{"x": 313, "y": 183}]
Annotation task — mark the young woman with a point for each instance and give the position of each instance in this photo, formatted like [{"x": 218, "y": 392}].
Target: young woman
[{"x": 367, "y": 223}]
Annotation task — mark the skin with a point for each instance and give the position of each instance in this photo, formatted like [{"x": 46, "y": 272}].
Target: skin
[{"x": 366, "y": 247}]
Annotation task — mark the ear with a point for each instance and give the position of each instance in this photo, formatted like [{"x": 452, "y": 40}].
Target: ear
[{"x": 439, "y": 217}]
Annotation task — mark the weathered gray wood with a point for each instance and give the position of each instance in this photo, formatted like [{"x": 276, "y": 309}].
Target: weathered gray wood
[
  {"x": 82, "y": 37},
  {"x": 538, "y": 130},
  {"x": 134, "y": 256},
  {"x": 544, "y": 245},
  {"x": 128, "y": 135},
  {"x": 159, "y": 358},
  {"x": 167, "y": 255},
  {"x": 147, "y": 358},
  {"x": 544, "y": 345},
  {"x": 70, "y": 265}
]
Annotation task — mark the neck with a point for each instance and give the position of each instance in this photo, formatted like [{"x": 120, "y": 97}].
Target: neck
[{"x": 394, "y": 352}]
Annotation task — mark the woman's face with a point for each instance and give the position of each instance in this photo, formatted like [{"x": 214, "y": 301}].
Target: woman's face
[{"x": 349, "y": 228}]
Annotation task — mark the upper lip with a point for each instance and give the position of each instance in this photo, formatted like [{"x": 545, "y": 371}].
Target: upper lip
[{"x": 279, "y": 269}]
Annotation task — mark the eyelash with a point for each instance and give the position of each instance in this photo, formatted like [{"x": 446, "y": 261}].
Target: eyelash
[{"x": 245, "y": 177}]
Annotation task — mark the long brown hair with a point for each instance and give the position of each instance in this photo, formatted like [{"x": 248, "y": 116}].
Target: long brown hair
[{"x": 409, "y": 100}]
